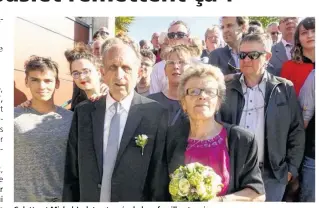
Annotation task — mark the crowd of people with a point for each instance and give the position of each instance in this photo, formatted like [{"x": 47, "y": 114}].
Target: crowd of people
[{"x": 241, "y": 102}]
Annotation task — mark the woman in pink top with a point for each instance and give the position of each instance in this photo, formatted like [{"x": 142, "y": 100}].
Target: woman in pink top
[{"x": 230, "y": 150}]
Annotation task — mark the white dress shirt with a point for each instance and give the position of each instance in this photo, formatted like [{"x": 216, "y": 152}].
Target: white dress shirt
[
  {"x": 158, "y": 78},
  {"x": 288, "y": 47},
  {"x": 253, "y": 116},
  {"x": 124, "y": 106}
]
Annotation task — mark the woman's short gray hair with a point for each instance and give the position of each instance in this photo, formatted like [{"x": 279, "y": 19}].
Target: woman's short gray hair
[
  {"x": 262, "y": 38},
  {"x": 201, "y": 70}
]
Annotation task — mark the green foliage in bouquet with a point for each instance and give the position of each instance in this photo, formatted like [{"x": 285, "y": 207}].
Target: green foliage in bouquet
[{"x": 194, "y": 182}]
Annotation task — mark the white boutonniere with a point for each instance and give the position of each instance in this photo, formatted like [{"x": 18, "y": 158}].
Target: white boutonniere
[{"x": 141, "y": 141}]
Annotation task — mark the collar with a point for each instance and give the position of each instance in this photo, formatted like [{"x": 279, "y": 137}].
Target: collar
[
  {"x": 286, "y": 43},
  {"x": 232, "y": 51},
  {"x": 125, "y": 103},
  {"x": 263, "y": 80},
  {"x": 307, "y": 60}
]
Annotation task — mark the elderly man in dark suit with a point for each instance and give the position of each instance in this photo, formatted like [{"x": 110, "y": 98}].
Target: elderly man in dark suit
[
  {"x": 267, "y": 106},
  {"x": 281, "y": 52},
  {"x": 226, "y": 58},
  {"x": 104, "y": 162}
]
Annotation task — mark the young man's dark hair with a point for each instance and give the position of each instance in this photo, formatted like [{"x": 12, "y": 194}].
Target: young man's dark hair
[{"x": 37, "y": 63}]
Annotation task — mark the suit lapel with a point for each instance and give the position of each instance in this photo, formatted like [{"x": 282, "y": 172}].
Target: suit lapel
[
  {"x": 98, "y": 117},
  {"x": 281, "y": 52},
  {"x": 228, "y": 56},
  {"x": 133, "y": 120}
]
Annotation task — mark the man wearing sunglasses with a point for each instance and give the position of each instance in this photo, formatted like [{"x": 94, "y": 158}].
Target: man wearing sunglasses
[
  {"x": 267, "y": 106},
  {"x": 226, "y": 58},
  {"x": 178, "y": 34},
  {"x": 281, "y": 52},
  {"x": 273, "y": 30}
]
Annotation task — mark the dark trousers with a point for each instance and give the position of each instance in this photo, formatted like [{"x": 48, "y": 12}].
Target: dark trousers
[{"x": 274, "y": 189}]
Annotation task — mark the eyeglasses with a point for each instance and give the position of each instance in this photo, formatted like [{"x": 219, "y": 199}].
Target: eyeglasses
[
  {"x": 275, "y": 33},
  {"x": 179, "y": 62},
  {"x": 77, "y": 75},
  {"x": 253, "y": 55},
  {"x": 177, "y": 35},
  {"x": 211, "y": 92}
]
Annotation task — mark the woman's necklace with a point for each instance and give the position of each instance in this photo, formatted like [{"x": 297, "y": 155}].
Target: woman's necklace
[{"x": 205, "y": 137}]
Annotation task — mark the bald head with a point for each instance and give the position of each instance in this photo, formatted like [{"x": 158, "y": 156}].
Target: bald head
[{"x": 96, "y": 47}]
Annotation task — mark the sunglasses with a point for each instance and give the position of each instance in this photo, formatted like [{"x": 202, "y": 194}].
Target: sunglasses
[
  {"x": 177, "y": 35},
  {"x": 211, "y": 92},
  {"x": 253, "y": 55}
]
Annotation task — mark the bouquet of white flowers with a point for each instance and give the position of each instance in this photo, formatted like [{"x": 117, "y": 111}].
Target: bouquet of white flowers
[{"x": 194, "y": 182}]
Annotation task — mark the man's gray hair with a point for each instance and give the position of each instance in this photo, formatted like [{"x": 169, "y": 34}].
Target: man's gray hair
[
  {"x": 180, "y": 22},
  {"x": 109, "y": 43},
  {"x": 271, "y": 24},
  {"x": 214, "y": 28}
]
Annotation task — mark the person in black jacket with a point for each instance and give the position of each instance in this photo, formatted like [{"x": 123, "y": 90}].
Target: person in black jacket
[
  {"x": 230, "y": 150},
  {"x": 267, "y": 106}
]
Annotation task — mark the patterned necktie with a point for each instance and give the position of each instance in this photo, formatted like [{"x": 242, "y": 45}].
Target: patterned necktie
[{"x": 110, "y": 155}]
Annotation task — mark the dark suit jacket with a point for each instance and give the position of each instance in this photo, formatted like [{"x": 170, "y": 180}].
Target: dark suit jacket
[
  {"x": 284, "y": 131},
  {"x": 135, "y": 177},
  {"x": 222, "y": 58},
  {"x": 78, "y": 96},
  {"x": 279, "y": 57},
  {"x": 244, "y": 168}
]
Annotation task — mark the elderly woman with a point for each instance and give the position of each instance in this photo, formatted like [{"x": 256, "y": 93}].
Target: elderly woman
[
  {"x": 230, "y": 150},
  {"x": 176, "y": 59}
]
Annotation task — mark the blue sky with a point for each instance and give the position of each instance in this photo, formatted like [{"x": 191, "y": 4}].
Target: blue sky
[{"x": 143, "y": 27}]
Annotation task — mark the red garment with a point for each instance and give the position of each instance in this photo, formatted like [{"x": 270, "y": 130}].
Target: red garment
[{"x": 296, "y": 73}]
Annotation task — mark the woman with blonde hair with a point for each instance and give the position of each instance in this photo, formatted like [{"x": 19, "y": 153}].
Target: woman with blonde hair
[
  {"x": 230, "y": 150},
  {"x": 176, "y": 59}
]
